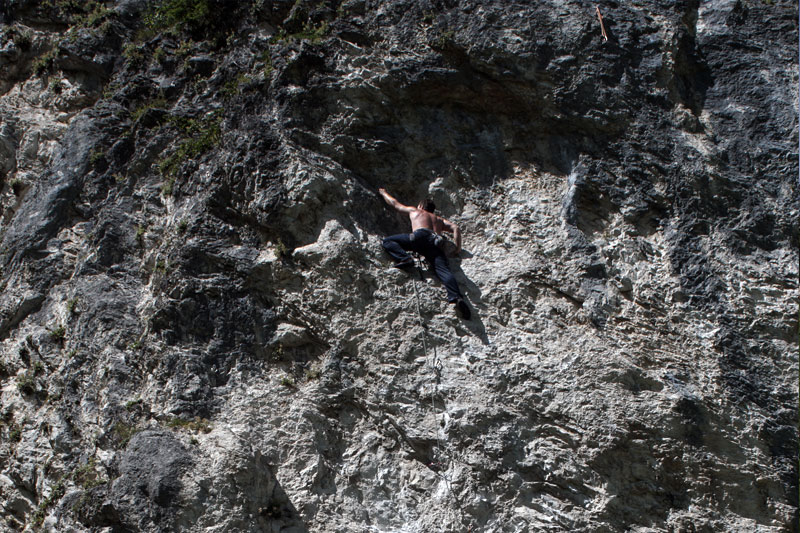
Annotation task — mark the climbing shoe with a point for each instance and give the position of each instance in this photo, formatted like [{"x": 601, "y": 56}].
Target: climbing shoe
[
  {"x": 462, "y": 310},
  {"x": 404, "y": 265}
]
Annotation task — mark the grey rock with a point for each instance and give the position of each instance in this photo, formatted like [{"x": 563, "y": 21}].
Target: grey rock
[
  {"x": 200, "y": 66},
  {"x": 196, "y": 216},
  {"x": 149, "y": 482}
]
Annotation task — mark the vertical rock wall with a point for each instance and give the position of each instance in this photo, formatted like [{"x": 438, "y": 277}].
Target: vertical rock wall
[{"x": 200, "y": 332}]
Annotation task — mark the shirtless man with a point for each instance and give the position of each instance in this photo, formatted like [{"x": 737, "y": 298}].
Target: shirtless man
[{"x": 425, "y": 240}]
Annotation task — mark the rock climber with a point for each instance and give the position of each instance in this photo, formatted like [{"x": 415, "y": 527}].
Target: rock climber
[{"x": 426, "y": 239}]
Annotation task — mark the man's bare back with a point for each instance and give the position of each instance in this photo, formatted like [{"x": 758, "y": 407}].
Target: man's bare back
[{"x": 421, "y": 219}]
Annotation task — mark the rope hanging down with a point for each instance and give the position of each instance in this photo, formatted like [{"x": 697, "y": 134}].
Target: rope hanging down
[
  {"x": 439, "y": 453},
  {"x": 602, "y": 26},
  {"x": 436, "y": 364}
]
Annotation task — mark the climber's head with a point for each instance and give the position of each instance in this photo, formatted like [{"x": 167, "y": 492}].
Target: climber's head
[{"x": 427, "y": 205}]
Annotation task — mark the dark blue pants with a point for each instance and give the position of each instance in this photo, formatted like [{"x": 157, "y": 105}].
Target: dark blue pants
[{"x": 422, "y": 242}]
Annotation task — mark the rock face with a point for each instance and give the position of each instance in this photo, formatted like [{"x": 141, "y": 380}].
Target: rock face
[{"x": 200, "y": 330}]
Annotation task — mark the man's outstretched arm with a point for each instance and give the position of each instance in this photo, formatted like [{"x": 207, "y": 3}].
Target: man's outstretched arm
[{"x": 394, "y": 203}]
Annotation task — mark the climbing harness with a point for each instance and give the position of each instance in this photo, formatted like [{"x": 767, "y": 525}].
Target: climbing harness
[{"x": 440, "y": 241}]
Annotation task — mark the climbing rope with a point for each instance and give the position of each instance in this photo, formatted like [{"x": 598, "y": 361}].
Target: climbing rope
[
  {"x": 437, "y": 465},
  {"x": 435, "y": 363},
  {"x": 602, "y": 26}
]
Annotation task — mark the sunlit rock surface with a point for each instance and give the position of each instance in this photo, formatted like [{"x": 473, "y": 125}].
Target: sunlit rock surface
[{"x": 201, "y": 332}]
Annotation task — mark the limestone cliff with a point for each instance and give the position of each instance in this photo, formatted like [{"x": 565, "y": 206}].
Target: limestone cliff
[{"x": 200, "y": 330}]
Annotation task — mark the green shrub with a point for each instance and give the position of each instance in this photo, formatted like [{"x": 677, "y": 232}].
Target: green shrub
[
  {"x": 44, "y": 63},
  {"x": 185, "y": 48},
  {"x": 56, "y": 87},
  {"x": 234, "y": 86},
  {"x": 86, "y": 476},
  {"x": 281, "y": 250},
  {"x": 21, "y": 38},
  {"x": 56, "y": 493},
  {"x": 14, "y": 433},
  {"x": 198, "y": 424},
  {"x": 96, "y": 155},
  {"x": 445, "y": 38},
  {"x": 199, "y": 136},
  {"x": 310, "y": 33},
  {"x": 140, "y": 230},
  {"x": 58, "y": 334},
  {"x": 168, "y": 186},
  {"x": 98, "y": 12},
  {"x": 133, "y": 404},
  {"x": 80, "y": 12},
  {"x": 158, "y": 103},
  {"x": 122, "y": 433},
  {"x": 174, "y": 16},
  {"x": 133, "y": 53},
  {"x": 26, "y": 383},
  {"x": 266, "y": 59},
  {"x": 160, "y": 55}
]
